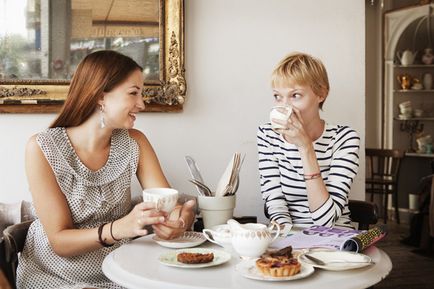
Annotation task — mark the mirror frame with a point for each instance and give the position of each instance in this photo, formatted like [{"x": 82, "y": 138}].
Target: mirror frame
[{"x": 165, "y": 95}]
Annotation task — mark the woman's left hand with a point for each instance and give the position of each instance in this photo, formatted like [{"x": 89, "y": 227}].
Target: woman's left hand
[
  {"x": 295, "y": 132},
  {"x": 180, "y": 219}
]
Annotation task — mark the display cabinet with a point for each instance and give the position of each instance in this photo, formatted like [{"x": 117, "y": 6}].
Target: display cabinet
[{"x": 408, "y": 90}]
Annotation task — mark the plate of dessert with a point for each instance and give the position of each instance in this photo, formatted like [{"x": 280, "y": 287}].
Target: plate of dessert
[
  {"x": 187, "y": 240},
  {"x": 281, "y": 265},
  {"x": 335, "y": 260},
  {"x": 194, "y": 258}
]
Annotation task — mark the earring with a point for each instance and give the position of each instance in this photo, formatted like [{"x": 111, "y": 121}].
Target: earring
[{"x": 101, "y": 116}]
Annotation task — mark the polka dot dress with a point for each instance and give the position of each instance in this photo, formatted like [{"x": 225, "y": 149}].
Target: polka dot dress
[{"x": 93, "y": 197}]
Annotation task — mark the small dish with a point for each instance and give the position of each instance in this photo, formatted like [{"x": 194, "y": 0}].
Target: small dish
[
  {"x": 337, "y": 260},
  {"x": 169, "y": 258},
  {"x": 186, "y": 240},
  {"x": 247, "y": 268}
]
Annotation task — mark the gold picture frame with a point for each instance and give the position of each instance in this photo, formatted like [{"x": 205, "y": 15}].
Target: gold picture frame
[{"x": 164, "y": 95}]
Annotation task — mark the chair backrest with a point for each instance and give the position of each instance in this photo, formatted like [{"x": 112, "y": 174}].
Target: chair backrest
[
  {"x": 4, "y": 282},
  {"x": 364, "y": 213},
  {"x": 383, "y": 163},
  {"x": 14, "y": 238}
]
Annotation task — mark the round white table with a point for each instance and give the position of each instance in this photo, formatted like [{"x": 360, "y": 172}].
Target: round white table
[{"x": 136, "y": 265}]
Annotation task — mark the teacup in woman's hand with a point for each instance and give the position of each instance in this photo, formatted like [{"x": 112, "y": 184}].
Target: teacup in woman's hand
[
  {"x": 165, "y": 199},
  {"x": 280, "y": 112}
]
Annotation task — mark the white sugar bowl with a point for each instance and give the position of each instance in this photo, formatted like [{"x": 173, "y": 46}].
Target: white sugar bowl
[
  {"x": 220, "y": 235},
  {"x": 251, "y": 240}
]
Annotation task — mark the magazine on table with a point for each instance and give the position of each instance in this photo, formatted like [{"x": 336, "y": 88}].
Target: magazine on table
[{"x": 334, "y": 238}]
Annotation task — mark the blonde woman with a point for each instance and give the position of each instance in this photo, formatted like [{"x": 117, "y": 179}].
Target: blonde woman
[{"x": 308, "y": 165}]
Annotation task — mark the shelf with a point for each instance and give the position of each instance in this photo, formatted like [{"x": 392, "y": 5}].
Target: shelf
[
  {"x": 415, "y": 118},
  {"x": 415, "y": 66},
  {"x": 419, "y": 155},
  {"x": 414, "y": 90}
]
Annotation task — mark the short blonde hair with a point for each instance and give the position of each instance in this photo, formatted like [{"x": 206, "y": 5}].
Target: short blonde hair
[{"x": 302, "y": 69}]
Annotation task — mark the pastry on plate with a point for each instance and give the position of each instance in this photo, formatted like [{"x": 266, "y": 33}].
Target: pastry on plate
[
  {"x": 279, "y": 264},
  {"x": 194, "y": 258}
]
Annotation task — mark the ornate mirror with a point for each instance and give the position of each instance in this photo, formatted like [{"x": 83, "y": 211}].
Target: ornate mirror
[{"x": 42, "y": 41}]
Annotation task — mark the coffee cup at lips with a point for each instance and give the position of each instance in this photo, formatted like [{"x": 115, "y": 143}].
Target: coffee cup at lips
[{"x": 280, "y": 112}]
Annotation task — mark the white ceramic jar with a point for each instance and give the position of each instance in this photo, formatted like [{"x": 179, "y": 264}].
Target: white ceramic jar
[{"x": 427, "y": 81}]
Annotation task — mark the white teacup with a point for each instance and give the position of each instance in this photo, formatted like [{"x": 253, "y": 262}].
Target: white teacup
[
  {"x": 281, "y": 112},
  {"x": 165, "y": 199},
  {"x": 220, "y": 235}
]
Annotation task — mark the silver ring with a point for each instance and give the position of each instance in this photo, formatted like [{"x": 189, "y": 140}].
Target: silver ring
[{"x": 182, "y": 222}]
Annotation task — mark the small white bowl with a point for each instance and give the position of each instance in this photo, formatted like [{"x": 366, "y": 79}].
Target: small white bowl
[{"x": 418, "y": 112}]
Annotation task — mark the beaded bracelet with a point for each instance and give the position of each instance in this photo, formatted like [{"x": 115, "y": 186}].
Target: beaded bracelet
[
  {"x": 111, "y": 232},
  {"x": 308, "y": 177},
  {"x": 100, "y": 240}
]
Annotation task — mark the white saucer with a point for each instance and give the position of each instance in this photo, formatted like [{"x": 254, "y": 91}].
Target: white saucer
[
  {"x": 344, "y": 260},
  {"x": 247, "y": 268},
  {"x": 170, "y": 259},
  {"x": 187, "y": 240}
]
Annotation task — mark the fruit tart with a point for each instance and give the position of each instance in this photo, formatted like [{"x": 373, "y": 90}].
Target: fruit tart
[{"x": 279, "y": 264}]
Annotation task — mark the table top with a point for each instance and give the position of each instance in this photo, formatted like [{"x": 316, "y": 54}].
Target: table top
[{"x": 136, "y": 265}]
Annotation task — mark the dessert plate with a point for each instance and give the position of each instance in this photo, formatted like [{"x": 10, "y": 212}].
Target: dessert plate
[
  {"x": 336, "y": 260},
  {"x": 169, "y": 258},
  {"x": 186, "y": 240},
  {"x": 247, "y": 268}
]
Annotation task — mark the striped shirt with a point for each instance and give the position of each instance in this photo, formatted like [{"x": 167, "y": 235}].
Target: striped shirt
[{"x": 283, "y": 186}]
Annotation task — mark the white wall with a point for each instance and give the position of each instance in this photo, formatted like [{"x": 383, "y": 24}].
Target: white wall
[{"x": 231, "y": 48}]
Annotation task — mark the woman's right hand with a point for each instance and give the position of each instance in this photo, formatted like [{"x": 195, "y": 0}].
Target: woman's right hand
[{"x": 132, "y": 225}]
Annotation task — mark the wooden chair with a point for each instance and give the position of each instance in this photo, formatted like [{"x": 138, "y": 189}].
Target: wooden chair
[
  {"x": 14, "y": 238},
  {"x": 4, "y": 283},
  {"x": 364, "y": 213},
  {"x": 382, "y": 171}
]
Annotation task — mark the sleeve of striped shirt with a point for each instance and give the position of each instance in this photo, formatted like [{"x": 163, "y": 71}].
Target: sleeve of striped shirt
[
  {"x": 343, "y": 169},
  {"x": 275, "y": 203}
]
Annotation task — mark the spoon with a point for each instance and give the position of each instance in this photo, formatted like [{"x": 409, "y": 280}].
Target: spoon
[
  {"x": 202, "y": 186},
  {"x": 322, "y": 263}
]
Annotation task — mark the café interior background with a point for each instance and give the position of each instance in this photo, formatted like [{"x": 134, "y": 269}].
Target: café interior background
[{"x": 231, "y": 49}]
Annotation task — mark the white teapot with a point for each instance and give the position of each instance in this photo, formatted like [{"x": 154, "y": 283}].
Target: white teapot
[
  {"x": 407, "y": 57},
  {"x": 251, "y": 240}
]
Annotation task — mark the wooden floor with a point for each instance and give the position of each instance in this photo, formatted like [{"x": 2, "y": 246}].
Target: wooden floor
[{"x": 410, "y": 270}]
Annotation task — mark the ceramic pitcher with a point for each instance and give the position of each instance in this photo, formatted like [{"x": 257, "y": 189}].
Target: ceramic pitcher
[
  {"x": 252, "y": 240},
  {"x": 407, "y": 57}
]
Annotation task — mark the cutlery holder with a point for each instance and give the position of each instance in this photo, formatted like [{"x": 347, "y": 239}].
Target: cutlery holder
[{"x": 216, "y": 210}]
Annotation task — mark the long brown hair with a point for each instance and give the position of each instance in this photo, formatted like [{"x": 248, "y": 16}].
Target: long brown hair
[{"x": 97, "y": 73}]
